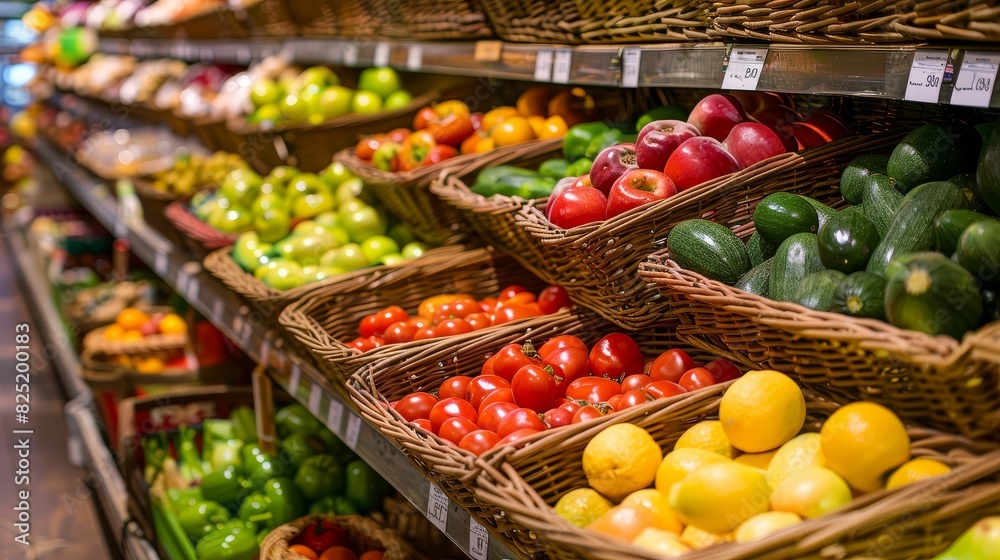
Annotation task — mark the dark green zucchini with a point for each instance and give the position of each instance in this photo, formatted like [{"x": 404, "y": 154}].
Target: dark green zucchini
[
  {"x": 758, "y": 249},
  {"x": 854, "y": 179},
  {"x": 710, "y": 249},
  {"x": 880, "y": 202},
  {"x": 933, "y": 153},
  {"x": 979, "y": 252},
  {"x": 967, "y": 182},
  {"x": 846, "y": 242},
  {"x": 988, "y": 172},
  {"x": 930, "y": 293},
  {"x": 861, "y": 294},
  {"x": 823, "y": 212},
  {"x": 758, "y": 280},
  {"x": 816, "y": 290},
  {"x": 948, "y": 228},
  {"x": 781, "y": 215},
  {"x": 796, "y": 258}
]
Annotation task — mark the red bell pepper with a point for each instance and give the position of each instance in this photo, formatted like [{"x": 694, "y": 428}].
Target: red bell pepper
[
  {"x": 450, "y": 122},
  {"x": 322, "y": 535}
]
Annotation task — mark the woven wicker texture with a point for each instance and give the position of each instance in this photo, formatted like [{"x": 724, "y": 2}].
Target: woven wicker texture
[
  {"x": 219, "y": 23},
  {"x": 432, "y": 19},
  {"x": 199, "y": 237},
  {"x": 361, "y": 534},
  {"x": 94, "y": 341},
  {"x": 413, "y": 526},
  {"x": 315, "y": 18},
  {"x": 269, "y": 18},
  {"x": 154, "y": 205},
  {"x": 526, "y": 482}
]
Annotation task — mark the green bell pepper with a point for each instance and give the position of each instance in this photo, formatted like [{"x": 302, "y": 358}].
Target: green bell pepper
[
  {"x": 181, "y": 499},
  {"x": 235, "y": 540},
  {"x": 671, "y": 112},
  {"x": 319, "y": 476},
  {"x": 226, "y": 487},
  {"x": 579, "y": 167},
  {"x": 334, "y": 505},
  {"x": 537, "y": 188},
  {"x": 260, "y": 467},
  {"x": 336, "y": 447},
  {"x": 606, "y": 140},
  {"x": 202, "y": 518},
  {"x": 220, "y": 446},
  {"x": 578, "y": 137},
  {"x": 294, "y": 418},
  {"x": 554, "y": 168},
  {"x": 298, "y": 447},
  {"x": 278, "y": 503},
  {"x": 501, "y": 174},
  {"x": 244, "y": 423},
  {"x": 364, "y": 487}
]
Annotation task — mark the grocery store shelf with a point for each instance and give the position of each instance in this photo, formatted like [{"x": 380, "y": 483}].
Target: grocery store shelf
[{"x": 247, "y": 327}]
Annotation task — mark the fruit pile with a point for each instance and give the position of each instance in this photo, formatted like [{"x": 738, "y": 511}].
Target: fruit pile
[
  {"x": 917, "y": 247},
  {"x": 744, "y": 476},
  {"x": 193, "y": 171},
  {"x": 327, "y": 540},
  {"x": 220, "y": 501},
  {"x": 521, "y": 391},
  {"x": 451, "y": 314},
  {"x": 670, "y": 156},
  {"x": 134, "y": 324},
  {"x": 316, "y": 95}
]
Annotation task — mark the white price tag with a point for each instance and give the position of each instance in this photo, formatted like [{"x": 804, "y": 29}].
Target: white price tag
[
  {"x": 314, "y": 396},
  {"x": 353, "y": 431},
  {"x": 561, "y": 66},
  {"x": 745, "y": 67},
  {"x": 978, "y": 75},
  {"x": 631, "y": 56},
  {"x": 183, "y": 278},
  {"x": 437, "y": 508},
  {"x": 351, "y": 54},
  {"x": 382, "y": 51},
  {"x": 294, "y": 379},
  {"x": 335, "y": 416},
  {"x": 160, "y": 263},
  {"x": 924, "y": 83},
  {"x": 479, "y": 540},
  {"x": 415, "y": 58},
  {"x": 543, "y": 66},
  {"x": 193, "y": 289}
]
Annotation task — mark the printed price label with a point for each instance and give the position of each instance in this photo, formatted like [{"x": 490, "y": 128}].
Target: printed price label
[
  {"x": 488, "y": 51},
  {"x": 562, "y": 65},
  {"x": 335, "y": 417},
  {"x": 631, "y": 56},
  {"x": 160, "y": 263},
  {"x": 976, "y": 79},
  {"x": 415, "y": 58},
  {"x": 294, "y": 379},
  {"x": 437, "y": 507},
  {"x": 382, "y": 51},
  {"x": 193, "y": 288},
  {"x": 315, "y": 393},
  {"x": 351, "y": 54},
  {"x": 924, "y": 83},
  {"x": 745, "y": 67},
  {"x": 543, "y": 66},
  {"x": 479, "y": 540},
  {"x": 353, "y": 431}
]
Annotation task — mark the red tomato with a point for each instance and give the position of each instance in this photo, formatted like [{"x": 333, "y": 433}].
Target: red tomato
[
  {"x": 534, "y": 388},
  {"x": 502, "y": 395},
  {"x": 488, "y": 366},
  {"x": 553, "y": 298},
  {"x": 416, "y": 405},
  {"x": 616, "y": 356},
  {"x": 479, "y": 441},
  {"x": 423, "y": 118},
  {"x": 570, "y": 406},
  {"x": 419, "y": 322},
  {"x": 520, "y": 298},
  {"x": 456, "y": 309},
  {"x": 697, "y": 378},
  {"x": 480, "y": 387},
  {"x": 376, "y": 341},
  {"x": 492, "y": 414},
  {"x": 635, "y": 382},
  {"x": 562, "y": 341},
  {"x": 488, "y": 304},
  {"x": 399, "y": 134},
  {"x": 362, "y": 344},
  {"x": 517, "y": 419},
  {"x": 425, "y": 333},
  {"x": 365, "y": 149},
  {"x": 388, "y": 316},
  {"x": 663, "y": 389},
  {"x": 670, "y": 365},
  {"x": 517, "y": 436},
  {"x": 423, "y": 423},
  {"x": 450, "y": 408},
  {"x": 557, "y": 417},
  {"x": 588, "y": 412},
  {"x": 451, "y": 327},
  {"x": 509, "y": 359},
  {"x": 455, "y": 428},
  {"x": 457, "y": 386},
  {"x": 632, "y": 398},
  {"x": 511, "y": 291},
  {"x": 569, "y": 364},
  {"x": 614, "y": 401},
  {"x": 367, "y": 326},
  {"x": 478, "y": 320},
  {"x": 400, "y": 332},
  {"x": 723, "y": 370},
  {"x": 560, "y": 401},
  {"x": 593, "y": 389},
  {"x": 514, "y": 312}
]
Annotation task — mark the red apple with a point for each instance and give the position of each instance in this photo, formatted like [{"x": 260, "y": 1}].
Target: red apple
[
  {"x": 754, "y": 101},
  {"x": 808, "y": 135},
  {"x": 698, "y": 160},
  {"x": 750, "y": 143},
  {"x": 777, "y": 115},
  {"x": 716, "y": 115},
  {"x": 576, "y": 206},
  {"x": 831, "y": 124},
  {"x": 610, "y": 164},
  {"x": 637, "y": 187},
  {"x": 658, "y": 139},
  {"x": 562, "y": 185}
]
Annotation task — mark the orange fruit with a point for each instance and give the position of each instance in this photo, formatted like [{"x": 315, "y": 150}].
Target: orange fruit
[
  {"x": 131, "y": 318},
  {"x": 338, "y": 553},
  {"x": 304, "y": 551},
  {"x": 554, "y": 127},
  {"x": 513, "y": 130},
  {"x": 627, "y": 522},
  {"x": 496, "y": 116},
  {"x": 171, "y": 323},
  {"x": 114, "y": 332},
  {"x": 131, "y": 336}
]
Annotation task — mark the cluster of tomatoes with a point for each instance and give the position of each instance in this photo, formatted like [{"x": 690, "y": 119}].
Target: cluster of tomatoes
[
  {"x": 451, "y": 314},
  {"x": 521, "y": 391}
]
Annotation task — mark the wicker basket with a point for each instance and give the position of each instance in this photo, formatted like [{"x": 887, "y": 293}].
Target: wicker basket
[
  {"x": 269, "y": 18},
  {"x": 154, "y": 207},
  {"x": 361, "y": 533},
  {"x": 315, "y": 18},
  {"x": 526, "y": 482},
  {"x": 933, "y": 380},
  {"x": 433, "y": 19},
  {"x": 94, "y": 341},
  {"x": 218, "y": 23},
  {"x": 214, "y": 134},
  {"x": 199, "y": 237},
  {"x": 414, "y": 527}
]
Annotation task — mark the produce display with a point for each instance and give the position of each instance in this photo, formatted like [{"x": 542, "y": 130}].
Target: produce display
[
  {"x": 192, "y": 171},
  {"x": 326, "y": 540}
]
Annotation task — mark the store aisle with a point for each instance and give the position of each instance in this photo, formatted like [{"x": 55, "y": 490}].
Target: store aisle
[{"x": 64, "y": 520}]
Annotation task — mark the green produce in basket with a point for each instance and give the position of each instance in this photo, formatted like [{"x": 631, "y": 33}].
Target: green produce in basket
[
  {"x": 296, "y": 448},
  {"x": 933, "y": 153},
  {"x": 320, "y": 476},
  {"x": 846, "y": 242},
  {"x": 861, "y": 294},
  {"x": 979, "y": 252},
  {"x": 758, "y": 249},
  {"x": 855, "y": 177},
  {"x": 988, "y": 172},
  {"x": 930, "y": 293},
  {"x": 578, "y": 137},
  {"x": 881, "y": 200},
  {"x": 235, "y": 540},
  {"x": 781, "y": 215},
  {"x": 202, "y": 518},
  {"x": 667, "y": 112},
  {"x": 187, "y": 455},
  {"x": 294, "y": 418},
  {"x": 554, "y": 168},
  {"x": 796, "y": 258},
  {"x": 579, "y": 167},
  {"x": 950, "y": 226},
  {"x": 823, "y": 212},
  {"x": 504, "y": 174},
  {"x": 710, "y": 249},
  {"x": 610, "y": 138},
  {"x": 540, "y": 187},
  {"x": 967, "y": 182},
  {"x": 980, "y": 542},
  {"x": 333, "y": 505},
  {"x": 336, "y": 447},
  {"x": 244, "y": 423},
  {"x": 182, "y": 498},
  {"x": 364, "y": 487},
  {"x": 278, "y": 503},
  {"x": 758, "y": 280},
  {"x": 259, "y": 467},
  {"x": 226, "y": 487},
  {"x": 816, "y": 290}
]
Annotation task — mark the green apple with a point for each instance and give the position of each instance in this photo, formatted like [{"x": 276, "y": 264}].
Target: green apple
[
  {"x": 366, "y": 103},
  {"x": 327, "y": 219},
  {"x": 294, "y": 108},
  {"x": 282, "y": 175},
  {"x": 382, "y": 81},
  {"x": 268, "y": 201},
  {"x": 205, "y": 209},
  {"x": 241, "y": 186},
  {"x": 231, "y": 220},
  {"x": 307, "y": 183},
  {"x": 267, "y": 113},
  {"x": 397, "y": 100},
  {"x": 335, "y": 174},
  {"x": 414, "y": 250},
  {"x": 323, "y": 272},
  {"x": 361, "y": 222},
  {"x": 285, "y": 277},
  {"x": 349, "y": 257},
  {"x": 306, "y": 249},
  {"x": 334, "y": 101},
  {"x": 320, "y": 76},
  {"x": 273, "y": 224},
  {"x": 349, "y": 190},
  {"x": 305, "y": 227},
  {"x": 393, "y": 259},
  {"x": 309, "y": 205},
  {"x": 401, "y": 234},
  {"x": 265, "y": 92},
  {"x": 249, "y": 258},
  {"x": 243, "y": 250},
  {"x": 271, "y": 264},
  {"x": 378, "y": 245},
  {"x": 340, "y": 234}
]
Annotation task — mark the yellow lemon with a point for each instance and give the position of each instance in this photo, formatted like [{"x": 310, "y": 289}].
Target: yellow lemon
[
  {"x": 659, "y": 504},
  {"x": 707, "y": 435},
  {"x": 762, "y": 410},
  {"x": 627, "y": 522},
  {"x": 697, "y": 538},
  {"x": 680, "y": 462},
  {"x": 131, "y": 318},
  {"x": 718, "y": 497},
  {"x": 171, "y": 323},
  {"x": 862, "y": 441},
  {"x": 915, "y": 471},
  {"x": 801, "y": 451},
  {"x": 762, "y": 525},
  {"x": 582, "y": 506},
  {"x": 114, "y": 332},
  {"x": 620, "y": 460},
  {"x": 757, "y": 460},
  {"x": 811, "y": 492},
  {"x": 664, "y": 543}
]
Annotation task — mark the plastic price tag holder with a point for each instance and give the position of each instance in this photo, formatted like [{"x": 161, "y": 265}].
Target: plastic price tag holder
[
  {"x": 976, "y": 79},
  {"x": 745, "y": 67},
  {"x": 415, "y": 58},
  {"x": 294, "y": 379},
  {"x": 315, "y": 393},
  {"x": 631, "y": 57},
  {"x": 543, "y": 66},
  {"x": 351, "y": 54},
  {"x": 437, "y": 507},
  {"x": 488, "y": 51},
  {"x": 335, "y": 417},
  {"x": 353, "y": 431},
  {"x": 479, "y": 540},
  {"x": 562, "y": 66},
  {"x": 382, "y": 51},
  {"x": 924, "y": 82}
]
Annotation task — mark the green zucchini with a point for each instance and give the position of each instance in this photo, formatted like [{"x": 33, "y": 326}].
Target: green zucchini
[
  {"x": 933, "y": 153},
  {"x": 554, "y": 168},
  {"x": 757, "y": 281},
  {"x": 861, "y": 294},
  {"x": 988, "y": 173},
  {"x": 930, "y": 293},
  {"x": 912, "y": 227},
  {"x": 758, "y": 249},
  {"x": 823, "y": 212},
  {"x": 880, "y": 202},
  {"x": 846, "y": 242},
  {"x": 948, "y": 228},
  {"x": 979, "y": 252},
  {"x": 710, "y": 249},
  {"x": 816, "y": 290},
  {"x": 967, "y": 182},
  {"x": 796, "y": 258},
  {"x": 854, "y": 179},
  {"x": 855, "y": 210},
  {"x": 781, "y": 215}
]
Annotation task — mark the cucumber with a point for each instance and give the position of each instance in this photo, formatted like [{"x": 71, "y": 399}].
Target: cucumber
[
  {"x": 757, "y": 281},
  {"x": 554, "y": 168},
  {"x": 854, "y": 179},
  {"x": 912, "y": 227},
  {"x": 979, "y": 252},
  {"x": 861, "y": 294},
  {"x": 796, "y": 258},
  {"x": 781, "y": 215},
  {"x": 823, "y": 212},
  {"x": 758, "y": 249},
  {"x": 933, "y": 153},
  {"x": 948, "y": 228},
  {"x": 816, "y": 290},
  {"x": 988, "y": 173},
  {"x": 967, "y": 182},
  {"x": 854, "y": 210},
  {"x": 880, "y": 202},
  {"x": 930, "y": 293},
  {"x": 710, "y": 249},
  {"x": 505, "y": 174},
  {"x": 846, "y": 242}
]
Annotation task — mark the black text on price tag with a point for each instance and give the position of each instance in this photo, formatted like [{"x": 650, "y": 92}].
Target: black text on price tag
[
  {"x": 745, "y": 67},
  {"x": 437, "y": 507},
  {"x": 479, "y": 540},
  {"x": 543, "y": 66},
  {"x": 926, "y": 72},
  {"x": 976, "y": 79},
  {"x": 561, "y": 66},
  {"x": 631, "y": 56}
]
